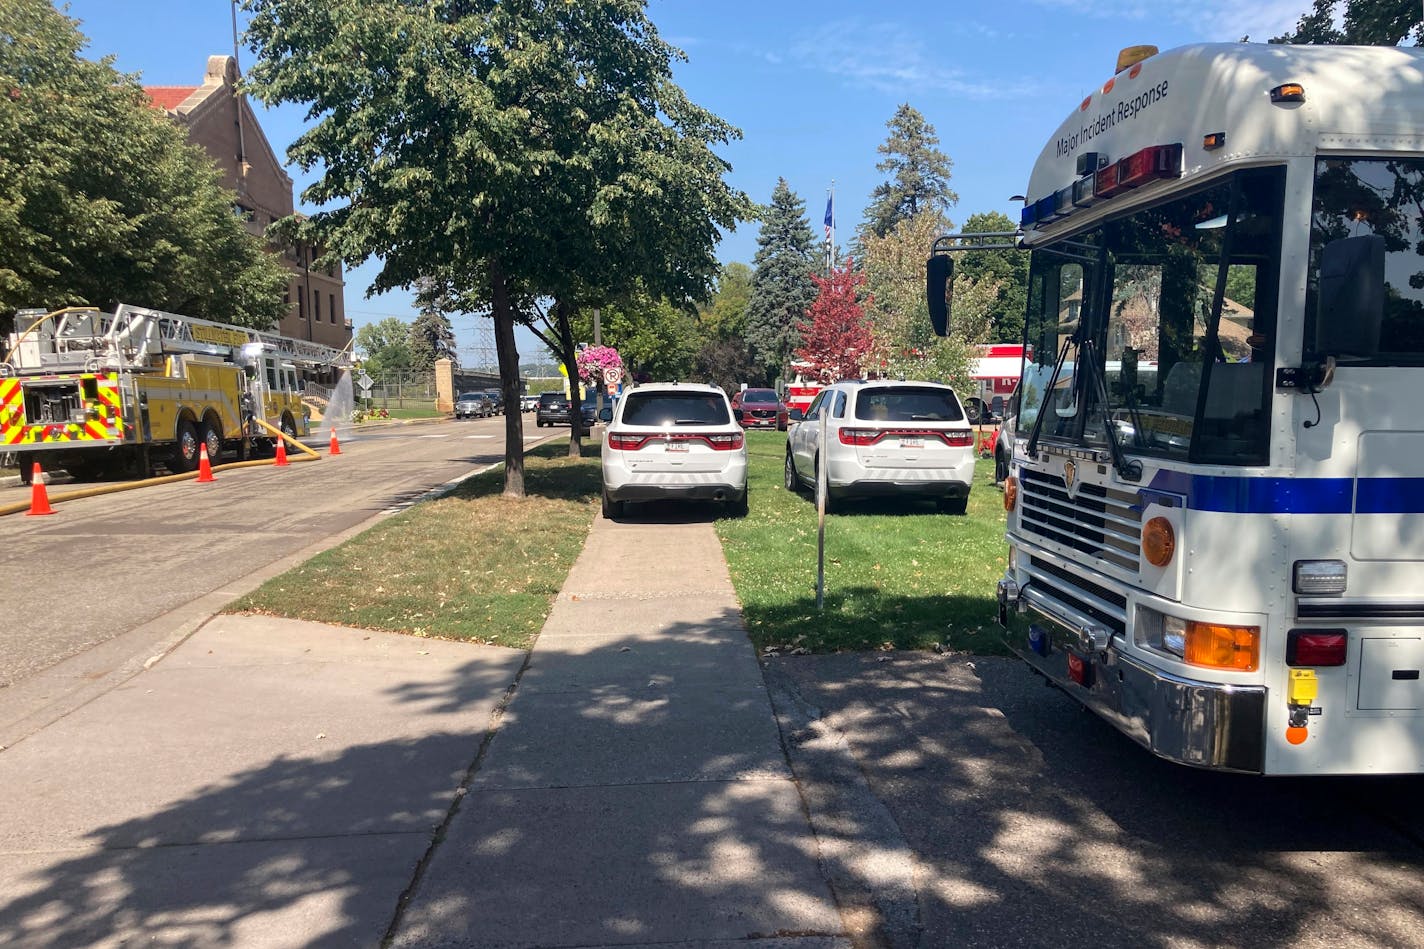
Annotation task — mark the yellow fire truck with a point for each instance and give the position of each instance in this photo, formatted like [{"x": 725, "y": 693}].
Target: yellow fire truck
[{"x": 107, "y": 393}]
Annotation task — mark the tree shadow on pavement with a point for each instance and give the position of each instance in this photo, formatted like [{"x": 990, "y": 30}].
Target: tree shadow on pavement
[
  {"x": 629, "y": 769},
  {"x": 1031, "y": 822}
]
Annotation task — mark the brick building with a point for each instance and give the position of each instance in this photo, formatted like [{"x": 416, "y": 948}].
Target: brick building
[{"x": 224, "y": 125}]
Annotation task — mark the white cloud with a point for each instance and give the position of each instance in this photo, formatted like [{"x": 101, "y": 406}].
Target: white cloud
[
  {"x": 1217, "y": 20},
  {"x": 891, "y": 58}
]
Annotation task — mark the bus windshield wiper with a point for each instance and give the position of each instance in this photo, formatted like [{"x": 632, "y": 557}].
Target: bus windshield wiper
[{"x": 1126, "y": 470}]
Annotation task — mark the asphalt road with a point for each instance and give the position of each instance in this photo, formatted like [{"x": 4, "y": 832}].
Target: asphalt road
[
  {"x": 101, "y": 567},
  {"x": 962, "y": 803}
]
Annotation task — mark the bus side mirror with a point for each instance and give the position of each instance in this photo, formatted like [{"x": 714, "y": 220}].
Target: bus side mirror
[
  {"x": 939, "y": 276},
  {"x": 1351, "y": 297}
]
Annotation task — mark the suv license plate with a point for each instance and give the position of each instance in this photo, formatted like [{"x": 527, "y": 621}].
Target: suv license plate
[
  {"x": 677, "y": 446},
  {"x": 912, "y": 443}
]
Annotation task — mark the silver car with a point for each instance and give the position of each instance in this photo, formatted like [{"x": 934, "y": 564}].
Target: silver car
[
  {"x": 473, "y": 405},
  {"x": 903, "y": 439}
]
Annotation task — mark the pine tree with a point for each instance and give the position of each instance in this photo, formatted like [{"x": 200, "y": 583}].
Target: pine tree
[
  {"x": 919, "y": 174},
  {"x": 431, "y": 338},
  {"x": 781, "y": 286},
  {"x": 835, "y": 336}
]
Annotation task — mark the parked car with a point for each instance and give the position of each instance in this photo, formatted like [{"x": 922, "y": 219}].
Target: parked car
[
  {"x": 554, "y": 409},
  {"x": 473, "y": 405},
  {"x": 496, "y": 398},
  {"x": 760, "y": 408},
  {"x": 885, "y": 438},
  {"x": 674, "y": 441},
  {"x": 528, "y": 403}
]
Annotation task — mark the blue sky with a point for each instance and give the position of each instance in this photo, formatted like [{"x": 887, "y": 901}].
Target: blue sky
[{"x": 811, "y": 86}]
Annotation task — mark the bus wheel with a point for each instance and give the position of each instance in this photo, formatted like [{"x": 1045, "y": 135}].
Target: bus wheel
[{"x": 185, "y": 448}]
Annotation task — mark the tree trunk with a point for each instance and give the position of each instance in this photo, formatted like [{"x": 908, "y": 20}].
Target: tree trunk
[
  {"x": 508, "y": 355},
  {"x": 570, "y": 356}
]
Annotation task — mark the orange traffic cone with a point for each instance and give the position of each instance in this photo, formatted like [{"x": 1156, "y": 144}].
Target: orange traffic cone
[
  {"x": 281, "y": 461},
  {"x": 39, "y": 500},
  {"x": 335, "y": 445},
  {"x": 205, "y": 467}
]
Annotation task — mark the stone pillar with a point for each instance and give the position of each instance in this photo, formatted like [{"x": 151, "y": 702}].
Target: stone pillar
[{"x": 444, "y": 386}]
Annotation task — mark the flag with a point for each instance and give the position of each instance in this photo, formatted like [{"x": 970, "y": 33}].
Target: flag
[{"x": 830, "y": 218}]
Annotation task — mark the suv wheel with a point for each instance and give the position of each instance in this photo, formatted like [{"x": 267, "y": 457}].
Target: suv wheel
[
  {"x": 1001, "y": 465},
  {"x": 611, "y": 508},
  {"x": 954, "y": 505},
  {"x": 793, "y": 480}
]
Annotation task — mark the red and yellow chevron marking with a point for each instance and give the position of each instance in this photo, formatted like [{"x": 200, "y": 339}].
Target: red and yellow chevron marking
[
  {"x": 12, "y": 411},
  {"x": 106, "y": 425}
]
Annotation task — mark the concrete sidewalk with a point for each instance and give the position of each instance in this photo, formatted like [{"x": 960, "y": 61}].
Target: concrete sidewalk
[
  {"x": 277, "y": 783},
  {"x": 636, "y": 792}
]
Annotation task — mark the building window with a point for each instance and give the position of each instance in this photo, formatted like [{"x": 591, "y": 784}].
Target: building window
[
  {"x": 316, "y": 305},
  {"x": 301, "y": 306},
  {"x": 331, "y": 306}
]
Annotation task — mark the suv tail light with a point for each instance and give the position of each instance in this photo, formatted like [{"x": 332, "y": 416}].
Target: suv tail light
[
  {"x": 623, "y": 441},
  {"x": 860, "y": 436},
  {"x": 869, "y": 436},
  {"x": 726, "y": 441}
]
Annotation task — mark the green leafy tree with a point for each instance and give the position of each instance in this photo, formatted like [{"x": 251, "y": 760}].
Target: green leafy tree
[
  {"x": 904, "y": 346},
  {"x": 500, "y": 154},
  {"x": 919, "y": 174},
  {"x": 386, "y": 346},
  {"x": 103, "y": 200},
  {"x": 431, "y": 338},
  {"x": 781, "y": 287},
  {"x": 652, "y": 336},
  {"x": 725, "y": 314},
  {"x": 1006, "y": 268},
  {"x": 1362, "y": 23}
]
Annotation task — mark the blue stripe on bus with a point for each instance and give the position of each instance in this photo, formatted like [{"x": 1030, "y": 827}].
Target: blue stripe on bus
[
  {"x": 1229, "y": 495},
  {"x": 1390, "y": 496}
]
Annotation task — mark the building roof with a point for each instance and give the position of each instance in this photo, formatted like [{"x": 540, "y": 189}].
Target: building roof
[{"x": 168, "y": 98}]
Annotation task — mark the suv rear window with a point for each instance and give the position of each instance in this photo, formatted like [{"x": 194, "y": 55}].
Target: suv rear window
[
  {"x": 910, "y": 404},
  {"x": 675, "y": 408},
  {"x": 546, "y": 398}
]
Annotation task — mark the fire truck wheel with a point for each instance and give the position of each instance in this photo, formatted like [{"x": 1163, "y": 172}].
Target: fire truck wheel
[
  {"x": 288, "y": 427},
  {"x": 211, "y": 435},
  {"x": 185, "y": 448}
]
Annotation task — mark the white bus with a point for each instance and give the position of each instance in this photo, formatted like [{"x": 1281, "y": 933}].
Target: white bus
[{"x": 1216, "y": 502}]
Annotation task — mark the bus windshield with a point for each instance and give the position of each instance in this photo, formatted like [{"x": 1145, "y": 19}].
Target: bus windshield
[{"x": 1174, "y": 307}]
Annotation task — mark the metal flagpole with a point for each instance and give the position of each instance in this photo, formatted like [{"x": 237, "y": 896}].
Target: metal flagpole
[{"x": 831, "y": 229}]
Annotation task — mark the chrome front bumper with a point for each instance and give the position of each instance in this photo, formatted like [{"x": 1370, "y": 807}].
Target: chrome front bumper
[{"x": 1204, "y": 724}]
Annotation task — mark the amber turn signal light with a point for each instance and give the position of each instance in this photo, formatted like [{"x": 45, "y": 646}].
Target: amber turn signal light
[
  {"x": 1159, "y": 541},
  {"x": 1011, "y": 492},
  {"x": 1217, "y": 646}
]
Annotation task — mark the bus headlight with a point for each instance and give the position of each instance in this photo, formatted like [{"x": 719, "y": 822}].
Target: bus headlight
[
  {"x": 1318, "y": 577},
  {"x": 1199, "y": 643}
]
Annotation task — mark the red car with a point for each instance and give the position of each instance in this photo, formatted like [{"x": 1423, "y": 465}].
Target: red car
[{"x": 760, "y": 408}]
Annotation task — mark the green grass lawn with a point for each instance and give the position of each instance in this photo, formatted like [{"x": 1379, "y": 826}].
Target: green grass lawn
[
  {"x": 472, "y": 566},
  {"x": 898, "y": 573}
]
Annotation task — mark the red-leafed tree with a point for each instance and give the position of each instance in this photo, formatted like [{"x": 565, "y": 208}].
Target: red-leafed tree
[{"x": 836, "y": 338}]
